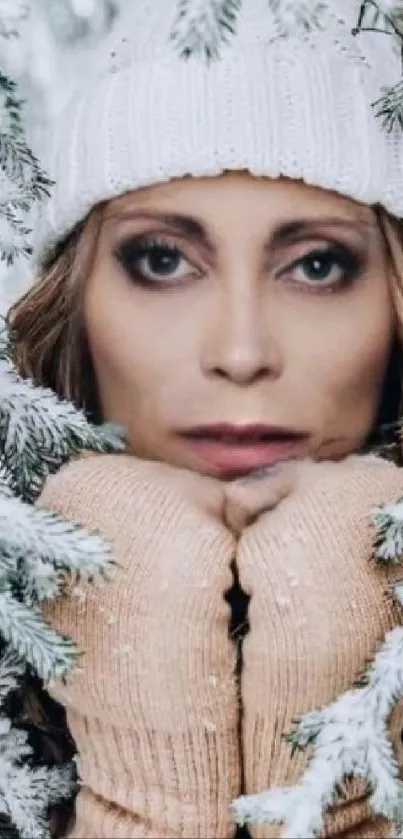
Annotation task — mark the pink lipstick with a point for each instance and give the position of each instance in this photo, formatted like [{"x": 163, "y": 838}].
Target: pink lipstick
[{"x": 230, "y": 451}]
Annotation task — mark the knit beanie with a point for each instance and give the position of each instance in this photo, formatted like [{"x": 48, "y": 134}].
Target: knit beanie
[{"x": 297, "y": 88}]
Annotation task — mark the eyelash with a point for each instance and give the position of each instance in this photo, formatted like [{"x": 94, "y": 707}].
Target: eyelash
[
  {"x": 348, "y": 261},
  {"x": 130, "y": 251}
]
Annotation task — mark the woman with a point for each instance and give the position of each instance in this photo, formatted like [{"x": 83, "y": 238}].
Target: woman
[{"x": 220, "y": 272}]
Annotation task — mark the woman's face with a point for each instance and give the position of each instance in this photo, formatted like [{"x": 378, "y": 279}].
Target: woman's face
[{"x": 233, "y": 321}]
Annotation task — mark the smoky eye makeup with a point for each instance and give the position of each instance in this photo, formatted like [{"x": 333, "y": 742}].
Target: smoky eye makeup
[
  {"x": 154, "y": 260},
  {"x": 324, "y": 263},
  {"x": 306, "y": 255},
  {"x": 325, "y": 266}
]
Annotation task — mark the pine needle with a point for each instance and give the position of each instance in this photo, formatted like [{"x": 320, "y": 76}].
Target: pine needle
[
  {"x": 29, "y": 636},
  {"x": 389, "y": 107},
  {"x": 40, "y": 432},
  {"x": 203, "y": 26}
]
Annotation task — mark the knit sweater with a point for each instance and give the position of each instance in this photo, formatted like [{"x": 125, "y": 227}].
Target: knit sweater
[{"x": 168, "y": 733}]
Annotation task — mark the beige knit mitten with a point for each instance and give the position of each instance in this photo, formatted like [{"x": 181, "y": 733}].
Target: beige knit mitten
[
  {"x": 154, "y": 708},
  {"x": 318, "y": 612}
]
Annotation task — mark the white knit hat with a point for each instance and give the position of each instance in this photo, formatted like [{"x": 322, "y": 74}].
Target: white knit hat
[{"x": 291, "y": 93}]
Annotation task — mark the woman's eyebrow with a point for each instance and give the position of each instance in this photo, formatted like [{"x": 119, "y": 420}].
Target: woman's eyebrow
[
  {"x": 183, "y": 224},
  {"x": 295, "y": 230},
  {"x": 284, "y": 233}
]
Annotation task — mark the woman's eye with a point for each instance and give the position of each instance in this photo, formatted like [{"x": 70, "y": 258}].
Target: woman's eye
[
  {"x": 332, "y": 266},
  {"x": 153, "y": 261}
]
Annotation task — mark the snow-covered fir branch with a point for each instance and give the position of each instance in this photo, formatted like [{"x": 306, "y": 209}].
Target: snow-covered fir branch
[
  {"x": 24, "y": 631},
  {"x": 202, "y": 26},
  {"x": 388, "y": 540},
  {"x": 26, "y": 793},
  {"x": 389, "y": 107},
  {"x": 22, "y": 180},
  {"x": 11, "y": 669},
  {"x": 295, "y": 16},
  {"x": 39, "y": 432},
  {"x": 39, "y": 551}
]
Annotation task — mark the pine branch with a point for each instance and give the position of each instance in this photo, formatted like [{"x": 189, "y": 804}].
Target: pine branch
[
  {"x": 6, "y": 339},
  {"x": 29, "y": 636},
  {"x": 388, "y": 540},
  {"x": 203, "y": 26},
  {"x": 389, "y": 107},
  {"x": 27, "y": 530},
  {"x": 305, "y": 732},
  {"x": 39, "y": 433},
  {"x": 294, "y": 16},
  {"x": 13, "y": 742},
  {"x": 27, "y": 794},
  {"x": 24, "y": 182},
  {"x": 386, "y": 18},
  {"x": 26, "y": 791},
  {"x": 38, "y": 549},
  {"x": 6, "y": 490},
  {"x": 11, "y": 670}
]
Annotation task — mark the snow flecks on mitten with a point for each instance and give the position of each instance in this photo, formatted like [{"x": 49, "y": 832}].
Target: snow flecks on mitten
[{"x": 350, "y": 736}]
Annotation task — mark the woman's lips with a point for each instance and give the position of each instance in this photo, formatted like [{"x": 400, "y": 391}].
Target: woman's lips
[{"x": 232, "y": 451}]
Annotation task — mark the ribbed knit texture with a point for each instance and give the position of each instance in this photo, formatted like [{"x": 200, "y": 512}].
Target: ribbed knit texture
[
  {"x": 318, "y": 611},
  {"x": 154, "y": 709},
  {"x": 299, "y": 107}
]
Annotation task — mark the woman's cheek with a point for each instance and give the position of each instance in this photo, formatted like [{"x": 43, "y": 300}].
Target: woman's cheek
[{"x": 358, "y": 394}]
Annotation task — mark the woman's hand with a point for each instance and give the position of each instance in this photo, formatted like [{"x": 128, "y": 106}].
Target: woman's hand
[
  {"x": 158, "y": 659},
  {"x": 248, "y": 498},
  {"x": 154, "y": 709},
  {"x": 318, "y": 612}
]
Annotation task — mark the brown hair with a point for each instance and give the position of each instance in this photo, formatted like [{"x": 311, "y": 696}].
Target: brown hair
[
  {"x": 51, "y": 347},
  {"x": 387, "y": 433},
  {"x": 50, "y": 344}
]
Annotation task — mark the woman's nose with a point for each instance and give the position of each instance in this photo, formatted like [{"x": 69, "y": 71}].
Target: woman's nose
[{"x": 240, "y": 344}]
